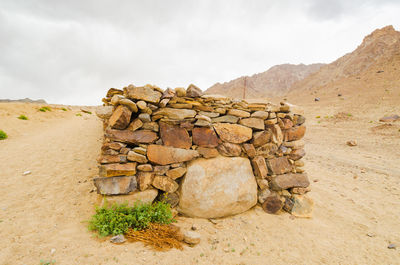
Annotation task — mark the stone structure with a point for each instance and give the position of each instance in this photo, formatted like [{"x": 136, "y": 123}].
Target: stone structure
[{"x": 208, "y": 156}]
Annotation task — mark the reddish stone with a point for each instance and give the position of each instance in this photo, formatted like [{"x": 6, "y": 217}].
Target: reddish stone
[
  {"x": 260, "y": 167},
  {"x": 295, "y": 133},
  {"x": 279, "y": 165},
  {"x": 297, "y": 154},
  {"x": 110, "y": 170},
  {"x": 207, "y": 152},
  {"x": 165, "y": 155},
  {"x": 287, "y": 124},
  {"x": 250, "y": 150},
  {"x": 165, "y": 184},
  {"x": 290, "y": 180},
  {"x": 120, "y": 118},
  {"x": 272, "y": 204},
  {"x": 229, "y": 149},
  {"x": 132, "y": 137},
  {"x": 175, "y": 136},
  {"x": 144, "y": 179},
  {"x": 261, "y": 138},
  {"x": 107, "y": 159},
  {"x": 205, "y": 137}
]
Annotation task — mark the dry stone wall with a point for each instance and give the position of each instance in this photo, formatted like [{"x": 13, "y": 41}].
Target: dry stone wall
[{"x": 208, "y": 156}]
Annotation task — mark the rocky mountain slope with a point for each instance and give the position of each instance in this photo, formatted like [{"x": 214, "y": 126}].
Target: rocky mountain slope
[{"x": 275, "y": 81}]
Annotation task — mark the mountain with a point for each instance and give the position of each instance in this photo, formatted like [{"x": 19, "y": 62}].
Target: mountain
[
  {"x": 25, "y": 100},
  {"x": 275, "y": 81},
  {"x": 376, "y": 59}
]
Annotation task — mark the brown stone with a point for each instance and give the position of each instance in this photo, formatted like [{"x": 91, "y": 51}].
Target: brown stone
[
  {"x": 261, "y": 138},
  {"x": 176, "y": 172},
  {"x": 193, "y": 91},
  {"x": 113, "y": 91},
  {"x": 187, "y": 125},
  {"x": 180, "y": 91},
  {"x": 115, "y": 185},
  {"x": 107, "y": 159},
  {"x": 249, "y": 150},
  {"x": 279, "y": 165},
  {"x": 260, "y": 114},
  {"x": 299, "y": 120},
  {"x": 171, "y": 198},
  {"x": 165, "y": 184},
  {"x": 144, "y": 117},
  {"x": 144, "y": 179},
  {"x": 226, "y": 118},
  {"x": 295, "y": 133},
  {"x": 287, "y": 124},
  {"x": 259, "y": 167},
  {"x": 254, "y": 123},
  {"x": 239, "y": 113},
  {"x": 161, "y": 170},
  {"x": 131, "y": 137},
  {"x": 391, "y": 118},
  {"x": 297, "y": 154},
  {"x": 299, "y": 144},
  {"x": 300, "y": 191},
  {"x": 164, "y": 155},
  {"x": 262, "y": 183},
  {"x": 175, "y": 136},
  {"x": 270, "y": 122},
  {"x": 135, "y": 124},
  {"x": 112, "y": 145},
  {"x": 142, "y": 93},
  {"x": 180, "y": 105},
  {"x": 152, "y": 126},
  {"x": 104, "y": 112},
  {"x": 129, "y": 103},
  {"x": 176, "y": 114},
  {"x": 302, "y": 206},
  {"x": 120, "y": 118},
  {"x": 131, "y": 199},
  {"x": 277, "y": 135},
  {"x": 233, "y": 133},
  {"x": 289, "y": 180},
  {"x": 145, "y": 167},
  {"x": 207, "y": 152},
  {"x": 168, "y": 93},
  {"x": 110, "y": 170},
  {"x": 229, "y": 149},
  {"x": 111, "y": 152},
  {"x": 124, "y": 150},
  {"x": 267, "y": 150},
  {"x": 272, "y": 204},
  {"x": 205, "y": 137},
  {"x": 133, "y": 156}
]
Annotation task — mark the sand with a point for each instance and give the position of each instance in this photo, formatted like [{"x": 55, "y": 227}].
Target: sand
[{"x": 356, "y": 192}]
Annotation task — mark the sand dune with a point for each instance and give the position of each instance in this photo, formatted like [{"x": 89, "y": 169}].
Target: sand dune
[{"x": 357, "y": 196}]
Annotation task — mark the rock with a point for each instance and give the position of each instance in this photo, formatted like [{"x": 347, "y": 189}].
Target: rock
[
  {"x": 187, "y": 125},
  {"x": 299, "y": 120},
  {"x": 164, "y": 155},
  {"x": 261, "y": 138},
  {"x": 118, "y": 239},
  {"x": 115, "y": 185},
  {"x": 207, "y": 152},
  {"x": 104, "y": 112},
  {"x": 249, "y": 150},
  {"x": 277, "y": 135},
  {"x": 299, "y": 144},
  {"x": 191, "y": 237},
  {"x": 144, "y": 117},
  {"x": 299, "y": 163},
  {"x": 270, "y": 122},
  {"x": 115, "y": 99},
  {"x": 229, "y": 149},
  {"x": 297, "y": 154},
  {"x": 144, "y": 179},
  {"x": 272, "y": 204},
  {"x": 288, "y": 204},
  {"x": 180, "y": 91},
  {"x": 135, "y": 124},
  {"x": 113, "y": 91},
  {"x": 217, "y": 187},
  {"x": 161, "y": 170},
  {"x": 267, "y": 150},
  {"x": 131, "y": 137},
  {"x": 124, "y": 150},
  {"x": 129, "y": 103},
  {"x": 233, "y": 133},
  {"x": 140, "y": 150},
  {"x": 193, "y": 91},
  {"x": 239, "y": 113},
  {"x": 26, "y": 173},
  {"x": 260, "y": 167},
  {"x": 300, "y": 190},
  {"x": 255, "y": 123},
  {"x": 120, "y": 118},
  {"x": 391, "y": 118},
  {"x": 202, "y": 123},
  {"x": 141, "y": 104},
  {"x": 316, "y": 99},
  {"x": 163, "y": 103},
  {"x": 302, "y": 206},
  {"x": 286, "y": 124},
  {"x": 135, "y": 157},
  {"x": 392, "y": 246},
  {"x": 203, "y": 117},
  {"x": 263, "y": 195},
  {"x": 226, "y": 119},
  {"x": 110, "y": 170},
  {"x": 145, "y": 167},
  {"x": 351, "y": 143},
  {"x": 171, "y": 198},
  {"x": 279, "y": 165},
  {"x": 147, "y": 196},
  {"x": 294, "y": 133},
  {"x": 176, "y": 172},
  {"x": 209, "y": 114},
  {"x": 113, "y": 145},
  {"x": 262, "y": 183},
  {"x": 205, "y": 137},
  {"x": 289, "y": 180},
  {"x": 168, "y": 93},
  {"x": 142, "y": 93},
  {"x": 260, "y": 114},
  {"x": 176, "y": 114},
  {"x": 107, "y": 159},
  {"x": 165, "y": 184},
  {"x": 173, "y": 135},
  {"x": 111, "y": 152}
]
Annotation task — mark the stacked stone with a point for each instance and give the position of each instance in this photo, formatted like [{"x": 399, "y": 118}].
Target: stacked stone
[{"x": 151, "y": 135}]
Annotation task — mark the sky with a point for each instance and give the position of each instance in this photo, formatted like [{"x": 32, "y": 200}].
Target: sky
[{"x": 72, "y": 52}]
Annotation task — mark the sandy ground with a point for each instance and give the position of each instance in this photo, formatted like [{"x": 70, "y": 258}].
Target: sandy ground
[{"x": 356, "y": 192}]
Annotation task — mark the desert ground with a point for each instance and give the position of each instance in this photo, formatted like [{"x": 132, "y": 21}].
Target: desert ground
[{"x": 356, "y": 192}]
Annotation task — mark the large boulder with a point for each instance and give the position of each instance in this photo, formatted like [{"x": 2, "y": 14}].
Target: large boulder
[{"x": 218, "y": 187}]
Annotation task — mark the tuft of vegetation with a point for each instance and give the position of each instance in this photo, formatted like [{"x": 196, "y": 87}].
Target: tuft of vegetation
[
  {"x": 22, "y": 117},
  {"x": 117, "y": 219},
  {"x": 44, "y": 109},
  {"x": 3, "y": 135},
  {"x": 78, "y": 114},
  {"x": 64, "y": 109},
  {"x": 318, "y": 117},
  {"x": 47, "y": 262}
]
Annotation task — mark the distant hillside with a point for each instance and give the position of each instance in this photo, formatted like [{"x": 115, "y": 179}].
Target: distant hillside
[
  {"x": 25, "y": 100},
  {"x": 276, "y": 81}
]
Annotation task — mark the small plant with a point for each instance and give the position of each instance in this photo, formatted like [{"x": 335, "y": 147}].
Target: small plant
[
  {"x": 78, "y": 114},
  {"x": 318, "y": 117},
  {"x": 64, "y": 109},
  {"x": 117, "y": 219},
  {"x": 3, "y": 135},
  {"x": 349, "y": 114},
  {"x": 47, "y": 262},
  {"x": 44, "y": 109},
  {"x": 22, "y": 117}
]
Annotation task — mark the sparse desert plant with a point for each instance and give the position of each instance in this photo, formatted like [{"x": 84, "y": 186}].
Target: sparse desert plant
[
  {"x": 318, "y": 117},
  {"x": 22, "y": 117},
  {"x": 117, "y": 219},
  {"x": 47, "y": 262},
  {"x": 64, "y": 109},
  {"x": 78, "y": 114},
  {"x": 44, "y": 109},
  {"x": 3, "y": 135}
]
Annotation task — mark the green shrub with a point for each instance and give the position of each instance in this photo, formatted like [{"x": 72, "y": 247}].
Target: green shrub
[
  {"x": 44, "y": 109},
  {"x": 22, "y": 117},
  {"x": 116, "y": 219},
  {"x": 78, "y": 114},
  {"x": 64, "y": 109},
  {"x": 3, "y": 135},
  {"x": 318, "y": 117}
]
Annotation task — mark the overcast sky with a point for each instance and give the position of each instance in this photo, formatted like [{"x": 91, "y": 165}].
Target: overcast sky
[{"x": 71, "y": 52}]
